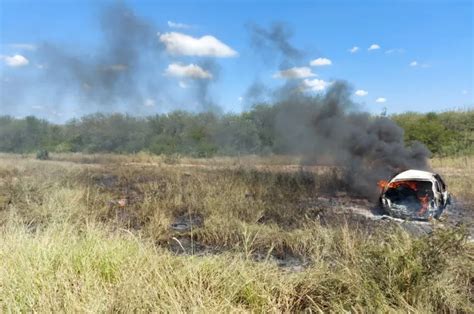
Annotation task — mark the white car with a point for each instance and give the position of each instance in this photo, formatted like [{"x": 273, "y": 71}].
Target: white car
[{"x": 414, "y": 194}]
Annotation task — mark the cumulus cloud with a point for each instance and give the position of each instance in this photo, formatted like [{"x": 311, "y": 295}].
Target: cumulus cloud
[
  {"x": 15, "y": 61},
  {"x": 172, "y": 24},
  {"x": 381, "y": 100},
  {"x": 374, "y": 47},
  {"x": 295, "y": 73},
  {"x": 361, "y": 92},
  {"x": 205, "y": 46},
  {"x": 413, "y": 63},
  {"x": 315, "y": 85},
  {"x": 354, "y": 49},
  {"x": 190, "y": 71},
  {"x": 320, "y": 62}
]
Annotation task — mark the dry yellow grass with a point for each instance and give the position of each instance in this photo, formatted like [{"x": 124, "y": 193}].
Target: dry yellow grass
[
  {"x": 68, "y": 244},
  {"x": 458, "y": 172}
]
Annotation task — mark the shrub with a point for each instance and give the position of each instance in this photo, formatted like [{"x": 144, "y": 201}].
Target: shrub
[{"x": 42, "y": 154}]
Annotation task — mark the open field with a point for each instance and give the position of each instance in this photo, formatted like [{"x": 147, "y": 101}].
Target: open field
[{"x": 88, "y": 233}]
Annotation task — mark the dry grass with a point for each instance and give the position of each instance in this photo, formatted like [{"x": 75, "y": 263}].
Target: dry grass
[
  {"x": 458, "y": 173},
  {"x": 67, "y": 244}
]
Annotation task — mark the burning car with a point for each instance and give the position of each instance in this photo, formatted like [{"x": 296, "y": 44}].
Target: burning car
[{"x": 414, "y": 194}]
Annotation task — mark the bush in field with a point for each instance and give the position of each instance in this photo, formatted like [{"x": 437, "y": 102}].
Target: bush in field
[{"x": 42, "y": 154}]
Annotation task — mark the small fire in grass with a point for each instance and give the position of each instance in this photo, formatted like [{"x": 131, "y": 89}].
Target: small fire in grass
[{"x": 121, "y": 202}]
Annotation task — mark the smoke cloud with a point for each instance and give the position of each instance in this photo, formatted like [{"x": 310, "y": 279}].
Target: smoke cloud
[
  {"x": 113, "y": 74},
  {"x": 204, "y": 97},
  {"x": 274, "y": 42},
  {"x": 122, "y": 73},
  {"x": 329, "y": 129},
  {"x": 319, "y": 120}
]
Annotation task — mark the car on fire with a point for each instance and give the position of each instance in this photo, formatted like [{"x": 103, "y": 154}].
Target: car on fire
[{"x": 414, "y": 194}]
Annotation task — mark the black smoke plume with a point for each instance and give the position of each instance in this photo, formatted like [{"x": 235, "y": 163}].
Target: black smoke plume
[
  {"x": 274, "y": 42},
  {"x": 203, "y": 95},
  {"x": 328, "y": 129},
  {"x": 113, "y": 73}
]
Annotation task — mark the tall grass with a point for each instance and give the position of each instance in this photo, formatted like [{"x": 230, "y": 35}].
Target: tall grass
[
  {"x": 66, "y": 245},
  {"x": 458, "y": 172}
]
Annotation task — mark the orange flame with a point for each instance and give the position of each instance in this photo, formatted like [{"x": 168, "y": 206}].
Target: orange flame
[
  {"x": 409, "y": 184},
  {"x": 424, "y": 200},
  {"x": 382, "y": 184}
]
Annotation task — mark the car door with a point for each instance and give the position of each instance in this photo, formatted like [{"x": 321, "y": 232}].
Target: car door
[
  {"x": 443, "y": 190},
  {"x": 438, "y": 195}
]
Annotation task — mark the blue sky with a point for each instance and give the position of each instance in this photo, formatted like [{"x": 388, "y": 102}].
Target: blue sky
[{"x": 423, "y": 59}]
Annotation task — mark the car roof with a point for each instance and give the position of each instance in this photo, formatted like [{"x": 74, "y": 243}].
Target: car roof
[{"x": 415, "y": 174}]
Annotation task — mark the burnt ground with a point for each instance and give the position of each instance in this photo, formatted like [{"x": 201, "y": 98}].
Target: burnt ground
[
  {"x": 366, "y": 213},
  {"x": 333, "y": 211},
  {"x": 363, "y": 214}
]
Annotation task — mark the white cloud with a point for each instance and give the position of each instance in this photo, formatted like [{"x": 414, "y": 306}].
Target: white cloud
[
  {"x": 191, "y": 71},
  {"x": 381, "y": 100},
  {"x": 295, "y": 73},
  {"x": 361, "y": 92},
  {"x": 22, "y": 46},
  {"x": 149, "y": 103},
  {"x": 37, "y": 107},
  {"x": 374, "y": 47},
  {"x": 182, "y": 84},
  {"x": 15, "y": 61},
  {"x": 315, "y": 84},
  {"x": 395, "y": 50},
  {"x": 354, "y": 49},
  {"x": 205, "y": 46},
  {"x": 418, "y": 64},
  {"x": 172, "y": 24},
  {"x": 320, "y": 62}
]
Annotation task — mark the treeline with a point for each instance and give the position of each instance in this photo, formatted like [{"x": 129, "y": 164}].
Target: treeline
[
  {"x": 207, "y": 134},
  {"x": 446, "y": 133}
]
